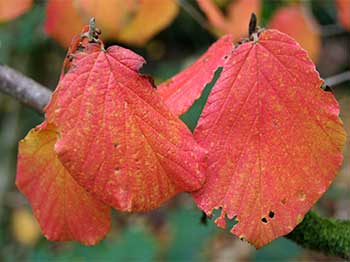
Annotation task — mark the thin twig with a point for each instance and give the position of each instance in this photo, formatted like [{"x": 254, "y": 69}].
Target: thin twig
[
  {"x": 187, "y": 7},
  {"x": 332, "y": 30},
  {"x": 338, "y": 79},
  {"x": 24, "y": 89}
]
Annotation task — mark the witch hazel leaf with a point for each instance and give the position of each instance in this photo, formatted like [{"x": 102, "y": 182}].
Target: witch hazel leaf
[
  {"x": 183, "y": 89},
  {"x": 117, "y": 138},
  {"x": 274, "y": 139},
  {"x": 62, "y": 21},
  {"x": 343, "y": 14},
  {"x": 130, "y": 21},
  {"x": 11, "y": 9},
  {"x": 236, "y": 19},
  {"x": 304, "y": 30},
  {"x": 65, "y": 211},
  {"x": 112, "y": 15},
  {"x": 149, "y": 19}
]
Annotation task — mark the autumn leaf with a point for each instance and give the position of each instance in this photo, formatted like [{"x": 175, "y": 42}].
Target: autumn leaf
[
  {"x": 343, "y": 10},
  {"x": 62, "y": 21},
  {"x": 274, "y": 139},
  {"x": 151, "y": 17},
  {"x": 132, "y": 22},
  {"x": 183, "y": 89},
  {"x": 112, "y": 15},
  {"x": 11, "y": 9},
  {"x": 298, "y": 23},
  {"x": 117, "y": 138},
  {"x": 25, "y": 228},
  {"x": 65, "y": 211},
  {"x": 237, "y": 19}
]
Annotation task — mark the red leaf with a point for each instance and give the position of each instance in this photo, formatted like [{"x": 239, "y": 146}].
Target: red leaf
[
  {"x": 65, "y": 211},
  {"x": 11, "y": 9},
  {"x": 274, "y": 139},
  {"x": 298, "y": 23},
  {"x": 117, "y": 138},
  {"x": 62, "y": 21},
  {"x": 343, "y": 10},
  {"x": 182, "y": 90}
]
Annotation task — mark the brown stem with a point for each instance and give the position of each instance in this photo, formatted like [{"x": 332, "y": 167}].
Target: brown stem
[
  {"x": 252, "y": 24},
  {"x": 24, "y": 89}
]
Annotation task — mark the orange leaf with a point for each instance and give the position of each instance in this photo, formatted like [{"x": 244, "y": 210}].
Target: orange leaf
[
  {"x": 111, "y": 15},
  {"x": 343, "y": 9},
  {"x": 237, "y": 19},
  {"x": 151, "y": 17},
  {"x": 11, "y": 9},
  {"x": 133, "y": 21},
  {"x": 62, "y": 21},
  {"x": 295, "y": 21},
  {"x": 274, "y": 139},
  {"x": 65, "y": 211},
  {"x": 117, "y": 138},
  {"x": 183, "y": 89}
]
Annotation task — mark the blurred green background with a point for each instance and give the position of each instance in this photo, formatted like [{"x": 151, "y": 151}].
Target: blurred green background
[{"x": 173, "y": 232}]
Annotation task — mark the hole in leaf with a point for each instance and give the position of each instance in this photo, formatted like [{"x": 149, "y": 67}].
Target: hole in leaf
[
  {"x": 264, "y": 220},
  {"x": 301, "y": 195},
  {"x": 230, "y": 223},
  {"x": 225, "y": 57},
  {"x": 115, "y": 144},
  {"x": 271, "y": 214}
]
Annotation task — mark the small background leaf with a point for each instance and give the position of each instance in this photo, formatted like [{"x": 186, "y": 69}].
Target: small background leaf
[
  {"x": 11, "y": 9},
  {"x": 237, "y": 16},
  {"x": 343, "y": 7},
  {"x": 305, "y": 29}
]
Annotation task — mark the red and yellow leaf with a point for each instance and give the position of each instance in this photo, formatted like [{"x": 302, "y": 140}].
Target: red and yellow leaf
[
  {"x": 11, "y": 9},
  {"x": 274, "y": 139},
  {"x": 62, "y": 21},
  {"x": 117, "y": 138},
  {"x": 343, "y": 10},
  {"x": 65, "y": 211},
  {"x": 183, "y": 89},
  {"x": 237, "y": 19},
  {"x": 298, "y": 23}
]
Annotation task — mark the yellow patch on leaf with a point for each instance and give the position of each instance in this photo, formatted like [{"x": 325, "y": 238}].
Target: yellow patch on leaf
[{"x": 64, "y": 210}]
